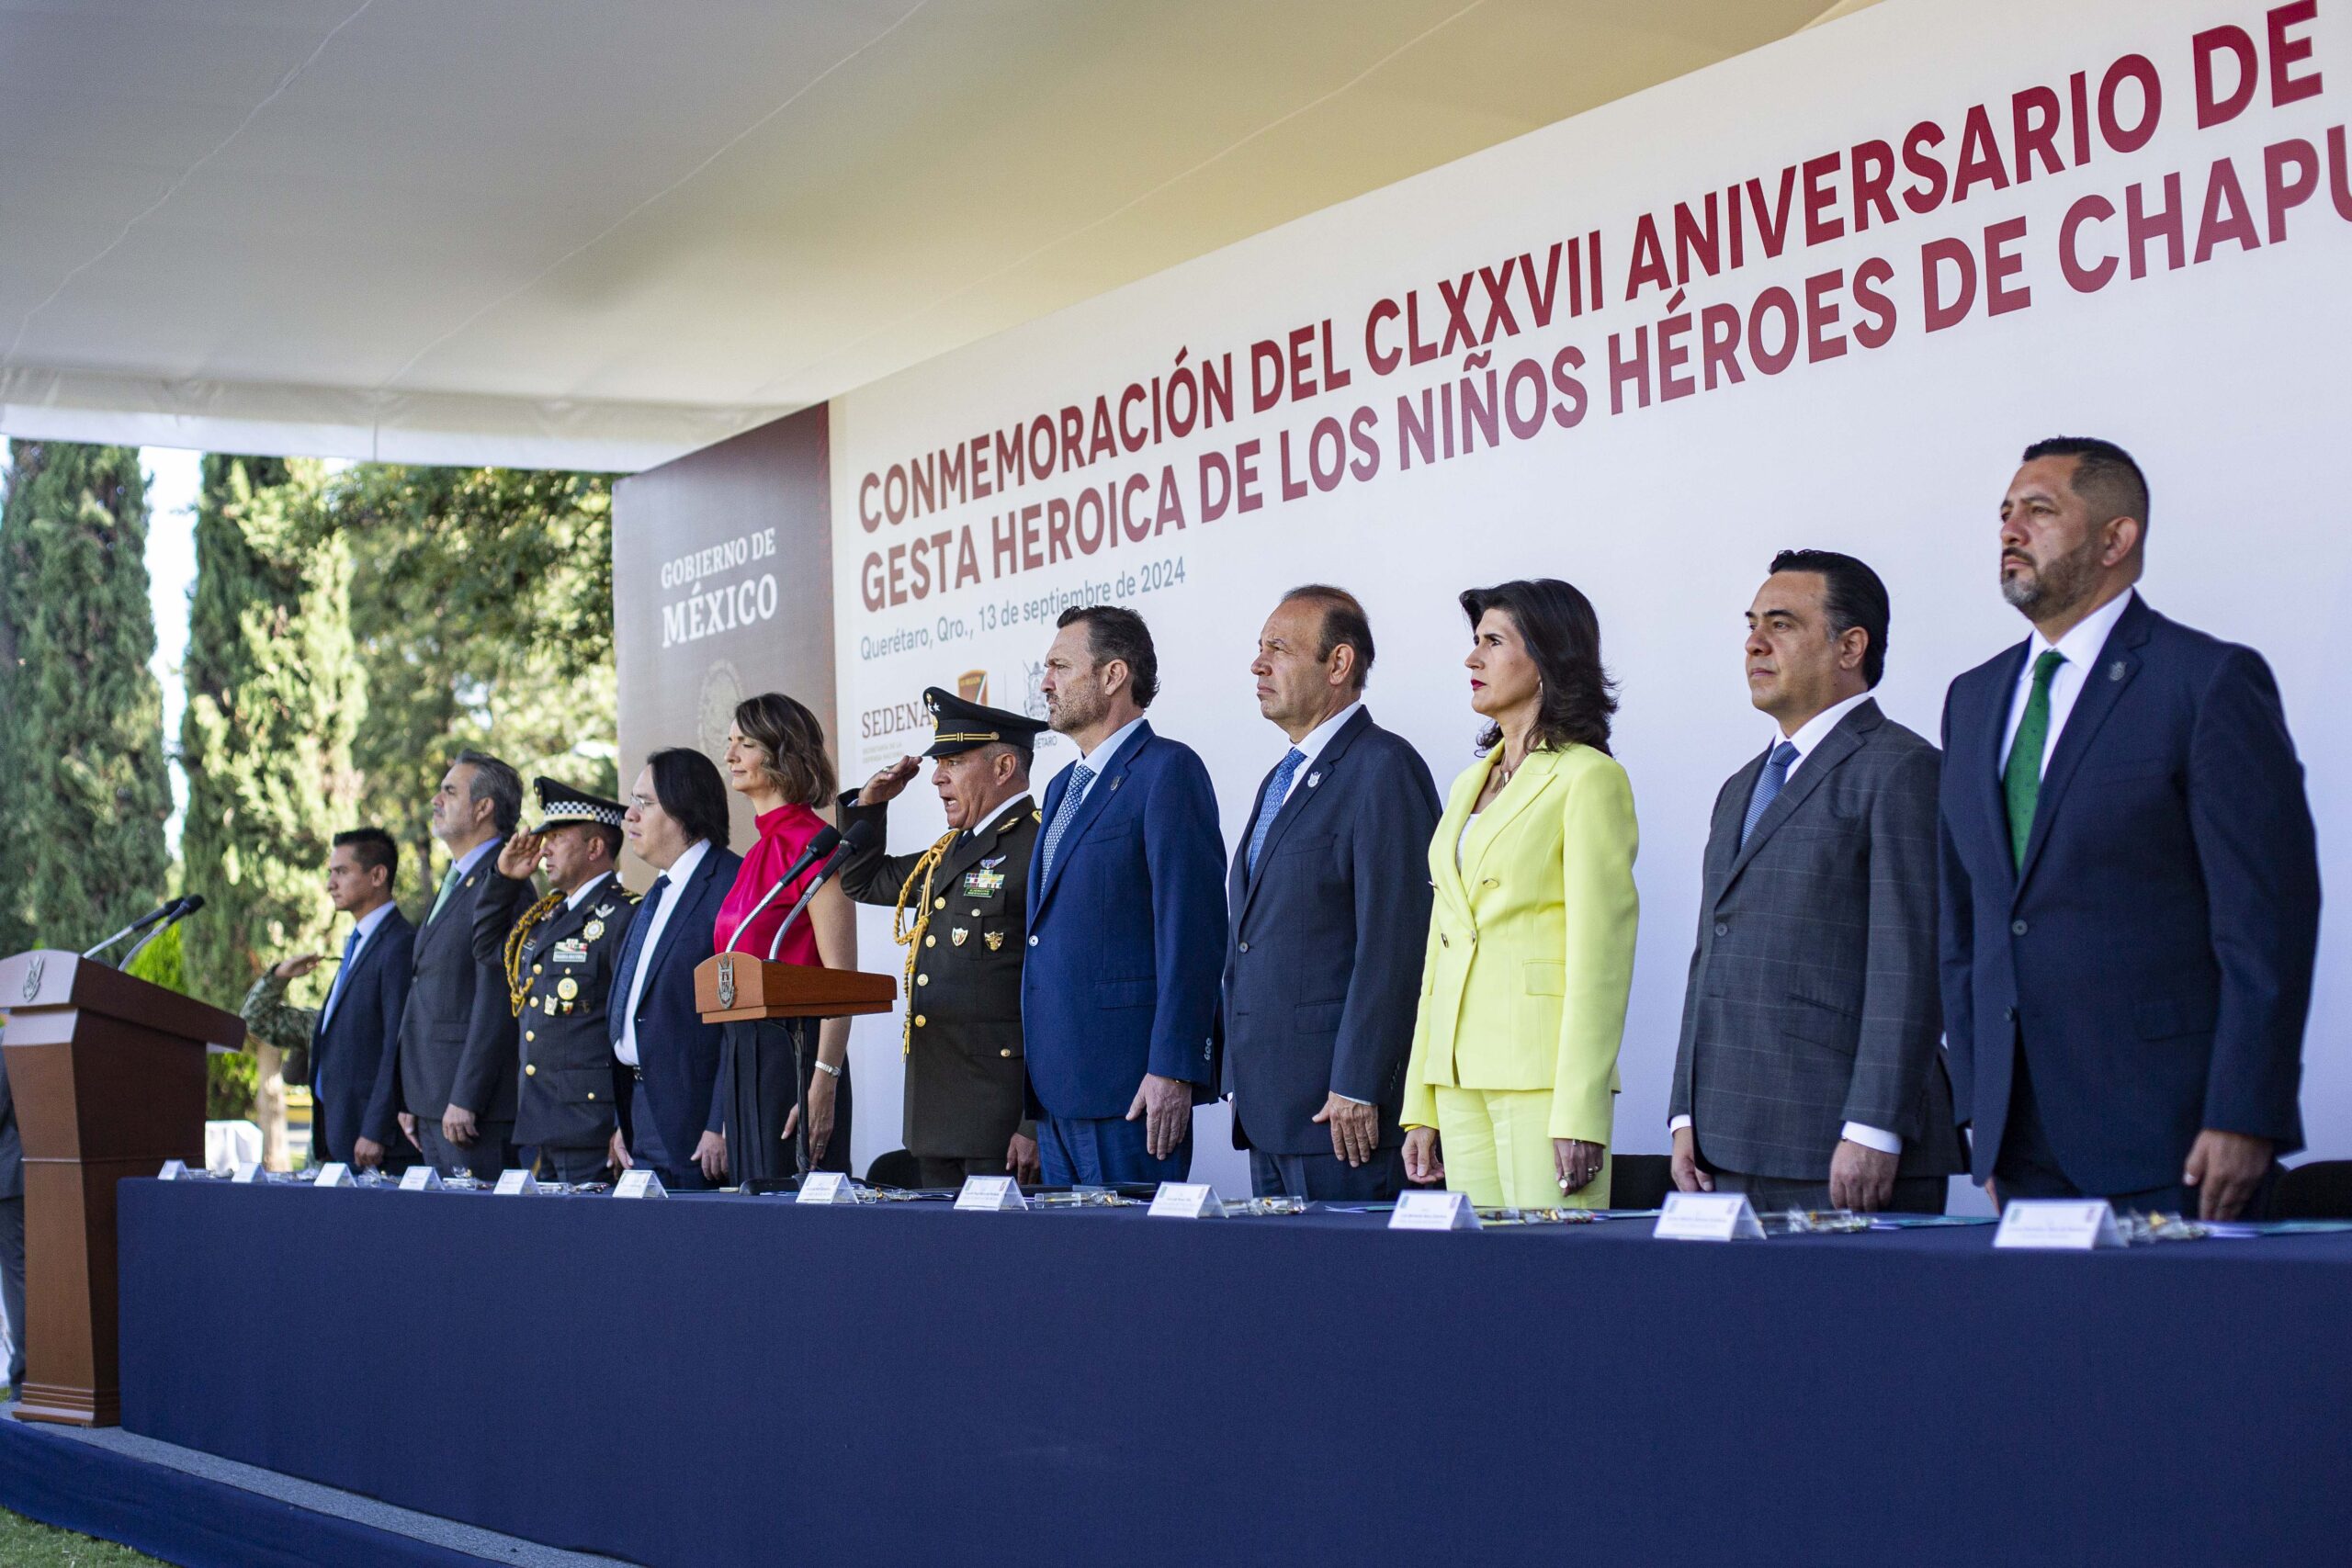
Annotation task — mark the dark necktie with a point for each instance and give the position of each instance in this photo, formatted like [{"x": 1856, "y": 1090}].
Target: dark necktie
[
  {"x": 2021, "y": 780},
  {"x": 633, "y": 948}
]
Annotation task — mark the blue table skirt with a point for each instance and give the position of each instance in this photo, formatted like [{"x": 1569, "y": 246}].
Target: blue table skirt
[{"x": 723, "y": 1379}]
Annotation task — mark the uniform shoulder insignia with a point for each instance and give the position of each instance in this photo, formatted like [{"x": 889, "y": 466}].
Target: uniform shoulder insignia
[{"x": 1036, "y": 816}]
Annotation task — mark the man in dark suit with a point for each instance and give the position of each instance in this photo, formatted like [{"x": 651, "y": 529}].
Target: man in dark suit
[
  {"x": 1809, "y": 1075},
  {"x": 961, "y": 910},
  {"x": 667, "y": 1056},
  {"x": 557, "y": 960},
  {"x": 2131, "y": 884},
  {"x": 345, "y": 1047},
  {"x": 1126, "y": 919},
  {"x": 11, "y": 1233},
  {"x": 1329, "y": 899},
  {"x": 456, "y": 1062}
]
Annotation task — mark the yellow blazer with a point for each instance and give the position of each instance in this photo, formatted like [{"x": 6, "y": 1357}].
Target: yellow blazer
[{"x": 1531, "y": 948}]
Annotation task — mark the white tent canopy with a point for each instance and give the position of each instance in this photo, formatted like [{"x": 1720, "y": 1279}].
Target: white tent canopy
[{"x": 598, "y": 233}]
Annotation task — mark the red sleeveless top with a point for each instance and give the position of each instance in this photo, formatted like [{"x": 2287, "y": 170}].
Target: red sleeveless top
[{"x": 784, "y": 833}]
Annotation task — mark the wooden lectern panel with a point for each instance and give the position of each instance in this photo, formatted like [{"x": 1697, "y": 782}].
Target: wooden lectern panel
[
  {"x": 107, "y": 1076},
  {"x": 732, "y": 986}
]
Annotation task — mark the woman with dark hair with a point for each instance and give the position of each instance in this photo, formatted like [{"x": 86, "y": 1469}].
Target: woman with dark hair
[
  {"x": 1508, "y": 1094},
  {"x": 776, "y": 757}
]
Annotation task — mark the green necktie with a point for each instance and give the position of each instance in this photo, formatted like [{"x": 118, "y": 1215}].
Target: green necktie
[
  {"x": 450, "y": 880},
  {"x": 2021, "y": 782}
]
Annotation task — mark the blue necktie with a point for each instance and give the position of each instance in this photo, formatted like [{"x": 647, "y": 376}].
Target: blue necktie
[
  {"x": 334, "y": 992},
  {"x": 1276, "y": 792},
  {"x": 632, "y": 949},
  {"x": 1768, "y": 786},
  {"x": 1080, "y": 775}
]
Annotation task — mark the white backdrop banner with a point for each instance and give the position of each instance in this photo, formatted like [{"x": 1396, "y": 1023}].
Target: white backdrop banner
[{"x": 1820, "y": 294}]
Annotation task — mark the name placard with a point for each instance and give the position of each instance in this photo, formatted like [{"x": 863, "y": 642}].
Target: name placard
[
  {"x": 247, "y": 1171},
  {"x": 174, "y": 1170},
  {"x": 990, "y": 1195},
  {"x": 1433, "y": 1212},
  {"x": 640, "y": 1183},
  {"x": 515, "y": 1184},
  {"x": 421, "y": 1179},
  {"x": 333, "y": 1174},
  {"x": 1708, "y": 1216},
  {"x": 1186, "y": 1200},
  {"x": 825, "y": 1187},
  {"x": 2058, "y": 1224}
]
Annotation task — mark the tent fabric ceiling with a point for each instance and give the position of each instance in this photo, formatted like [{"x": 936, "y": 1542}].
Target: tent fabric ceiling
[{"x": 598, "y": 233}]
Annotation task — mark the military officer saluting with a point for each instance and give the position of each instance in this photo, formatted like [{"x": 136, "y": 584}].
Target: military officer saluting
[
  {"x": 961, "y": 907},
  {"x": 558, "y": 956}
]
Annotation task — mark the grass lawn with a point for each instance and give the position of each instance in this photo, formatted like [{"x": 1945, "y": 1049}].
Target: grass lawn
[{"x": 24, "y": 1544}]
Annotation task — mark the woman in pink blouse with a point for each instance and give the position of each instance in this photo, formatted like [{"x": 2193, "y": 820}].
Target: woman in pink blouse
[{"x": 775, "y": 756}]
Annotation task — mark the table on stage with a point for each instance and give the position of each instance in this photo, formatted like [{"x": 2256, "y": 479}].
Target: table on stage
[{"x": 734, "y": 1380}]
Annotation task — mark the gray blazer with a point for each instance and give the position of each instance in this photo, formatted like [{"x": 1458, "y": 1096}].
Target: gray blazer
[
  {"x": 458, "y": 1031},
  {"x": 1813, "y": 997},
  {"x": 12, "y": 1151}
]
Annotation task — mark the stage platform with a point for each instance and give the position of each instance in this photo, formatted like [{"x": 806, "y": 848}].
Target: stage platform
[
  {"x": 201, "y": 1511},
  {"x": 731, "y": 1379}
]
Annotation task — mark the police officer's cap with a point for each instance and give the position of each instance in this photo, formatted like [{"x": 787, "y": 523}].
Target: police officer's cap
[{"x": 561, "y": 806}]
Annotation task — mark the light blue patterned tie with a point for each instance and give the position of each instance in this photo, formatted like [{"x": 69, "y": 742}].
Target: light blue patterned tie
[
  {"x": 1768, "y": 785},
  {"x": 1276, "y": 792},
  {"x": 334, "y": 992},
  {"x": 1080, "y": 775}
]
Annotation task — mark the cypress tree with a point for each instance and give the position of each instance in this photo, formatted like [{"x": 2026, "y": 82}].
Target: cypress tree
[
  {"x": 82, "y": 758},
  {"x": 274, "y": 694}
]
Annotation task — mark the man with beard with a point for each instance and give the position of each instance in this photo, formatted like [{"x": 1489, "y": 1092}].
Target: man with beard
[{"x": 2130, "y": 881}]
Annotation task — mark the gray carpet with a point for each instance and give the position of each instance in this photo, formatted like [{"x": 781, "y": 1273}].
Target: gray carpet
[{"x": 488, "y": 1545}]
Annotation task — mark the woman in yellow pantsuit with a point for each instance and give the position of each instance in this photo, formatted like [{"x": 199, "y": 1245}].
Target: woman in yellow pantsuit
[{"x": 1508, "y": 1093}]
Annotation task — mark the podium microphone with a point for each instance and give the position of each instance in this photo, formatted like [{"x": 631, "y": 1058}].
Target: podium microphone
[
  {"x": 818, "y": 848},
  {"x": 178, "y": 912},
  {"x": 859, "y": 837},
  {"x": 159, "y": 912}
]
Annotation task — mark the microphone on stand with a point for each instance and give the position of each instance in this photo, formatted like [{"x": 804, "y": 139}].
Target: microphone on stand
[
  {"x": 859, "y": 837},
  {"x": 818, "y": 848},
  {"x": 141, "y": 924},
  {"x": 178, "y": 912}
]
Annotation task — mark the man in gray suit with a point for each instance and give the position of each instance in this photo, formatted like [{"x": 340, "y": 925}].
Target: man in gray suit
[
  {"x": 458, "y": 1033},
  {"x": 1329, "y": 895},
  {"x": 1809, "y": 1074},
  {"x": 11, "y": 1233}
]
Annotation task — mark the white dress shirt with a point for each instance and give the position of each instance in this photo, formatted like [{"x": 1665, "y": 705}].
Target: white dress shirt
[
  {"x": 1809, "y": 735},
  {"x": 1309, "y": 747},
  {"x": 2080, "y": 648},
  {"x": 365, "y": 928},
  {"x": 579, "y": 894},
  {"x": 656, "y": 918},
  {"x": 1098, "y": 761}
]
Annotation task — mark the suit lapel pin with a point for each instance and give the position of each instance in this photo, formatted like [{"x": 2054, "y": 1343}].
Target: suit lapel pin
[
  {"x": 2115, "y": 671},
  {"x": 1114, "y": 783},
  {"x": 1313, "y": 779}
]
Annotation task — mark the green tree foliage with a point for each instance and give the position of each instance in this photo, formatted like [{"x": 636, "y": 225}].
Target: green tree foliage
[
  {"x": 86, "y": 794},
  {"x": 274, "y": 695},
  {"x": 230, "y": 1080},
  {"x": 481, "y": 600}
]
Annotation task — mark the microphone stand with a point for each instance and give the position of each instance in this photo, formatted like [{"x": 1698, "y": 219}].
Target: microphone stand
[
  {"x": 141, "y": 945},
  {"x": 802, "y": 1154},
  {"x": 142, "y": 924}
]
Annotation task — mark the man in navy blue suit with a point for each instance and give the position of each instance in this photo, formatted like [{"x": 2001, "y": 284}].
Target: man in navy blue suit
[
  {"x": 1126, "y": 919},
  {"x": 1329, "y": 899},
  {"x": 345, "y": 1050},
  {"x": 2130, "y": 881},
  {"x": 666, "y": 1057}
]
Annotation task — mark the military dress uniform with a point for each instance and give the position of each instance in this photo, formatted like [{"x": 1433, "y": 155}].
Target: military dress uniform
[
  {"x": 961, "y": 909},
  {"x": 559, "y": 956}
]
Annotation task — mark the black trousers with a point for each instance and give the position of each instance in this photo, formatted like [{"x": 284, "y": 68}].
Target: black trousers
[
  {"x": 490, "y": 1152},
  {"x": 2027, "y": 1167},
  {"x": 757, "y": 1066},
  {"x": 1325, "y": 1178},
  {"x": 1773, "y": 1194},
  {"x": 934, "y": 1171}
]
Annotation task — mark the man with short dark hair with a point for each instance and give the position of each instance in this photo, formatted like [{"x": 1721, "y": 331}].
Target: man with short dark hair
[
  {"x": 1329, "y": 903},
  {"x": 456, "y": 1059},
  {"x": 2129, "y": 877},
  {"x": 344, "y": 1051},
  {"x": 1807, "y": 1075},
  {"x": 1126, "y": 919},
  {"x": 557, "y": 960}
]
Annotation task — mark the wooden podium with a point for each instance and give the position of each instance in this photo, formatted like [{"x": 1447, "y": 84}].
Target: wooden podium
[
  {"x": 107, "y": 1075},
  {"x": 733, "y": 986}
]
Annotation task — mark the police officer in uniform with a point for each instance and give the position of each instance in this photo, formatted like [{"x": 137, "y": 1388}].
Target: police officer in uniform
[
  {"x": 558, "y": 957},
  {"x": 960, "y": 908}
]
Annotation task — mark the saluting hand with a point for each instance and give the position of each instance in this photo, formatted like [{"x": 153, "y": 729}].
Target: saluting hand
[
  {"x": 519, "y": 856},
  {"x": 886, "y": 785},
  {"x": 295, "y": 968}
]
